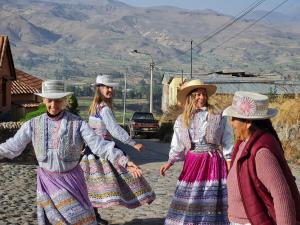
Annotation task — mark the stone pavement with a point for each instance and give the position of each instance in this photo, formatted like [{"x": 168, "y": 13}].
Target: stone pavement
[{"x": 18, "y": 190}]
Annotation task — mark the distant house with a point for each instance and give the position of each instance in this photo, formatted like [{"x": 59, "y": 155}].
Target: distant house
[
  {"x": 7, "y": 75},
  {"x": 22, "y": 94},
  {"x": 170, "y": 88},
  {"x": 174, "y": 86}
]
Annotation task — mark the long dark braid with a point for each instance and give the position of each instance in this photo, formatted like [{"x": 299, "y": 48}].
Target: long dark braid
[{"x": 265, "y": 125}]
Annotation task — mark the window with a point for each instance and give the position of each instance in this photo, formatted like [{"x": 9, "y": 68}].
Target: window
[{"x": 143, "y": 116}]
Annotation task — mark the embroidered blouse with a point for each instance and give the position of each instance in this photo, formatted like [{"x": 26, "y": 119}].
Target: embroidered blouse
[
  {"x": 104, "y": 123},
  {"x": 58, "y": 153},
  {"x": 197, "y": 132}
]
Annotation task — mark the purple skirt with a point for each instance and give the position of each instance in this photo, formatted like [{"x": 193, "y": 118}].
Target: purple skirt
[
  {"x": 62, "y": 198},
  {"x": 201, "y": 192}
]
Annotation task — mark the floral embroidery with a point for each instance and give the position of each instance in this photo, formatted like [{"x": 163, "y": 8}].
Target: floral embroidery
[{"x": 246, "y": 106}]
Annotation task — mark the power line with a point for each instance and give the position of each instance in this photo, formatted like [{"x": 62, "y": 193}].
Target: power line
[
  {"x": 229, "y": 23},
  {"x": 252, "y": 24}
]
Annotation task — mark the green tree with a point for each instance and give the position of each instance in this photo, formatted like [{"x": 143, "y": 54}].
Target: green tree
[
  {"x": 40, "y": 110},
  {"x": 73, "y": 105}
]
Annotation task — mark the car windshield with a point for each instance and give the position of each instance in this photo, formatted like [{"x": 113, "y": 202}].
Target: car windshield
[{"x": 143, "y": 116}]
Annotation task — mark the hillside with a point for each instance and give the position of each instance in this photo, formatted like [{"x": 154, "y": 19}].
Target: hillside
[{"x": 77, "y": 39}]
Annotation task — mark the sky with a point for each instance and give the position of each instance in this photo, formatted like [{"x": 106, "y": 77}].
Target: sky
[{"x": 230, "y": 7}]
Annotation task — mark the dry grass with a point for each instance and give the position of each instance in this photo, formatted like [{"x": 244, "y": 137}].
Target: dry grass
[
  {"x": 288, "y": 111},
  {"x": 221, "y": 101},
  {"x": 292, "y": 154},
  {"x": 171, "y": 114}
]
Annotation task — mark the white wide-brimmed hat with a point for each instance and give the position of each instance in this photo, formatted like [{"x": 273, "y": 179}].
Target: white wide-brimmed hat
[
  {"x": 250, "y": 105},
  {"x": 192, "y": 85},
  {"x": 53, "y": 89},
  {"x": 105, "y": 80}
]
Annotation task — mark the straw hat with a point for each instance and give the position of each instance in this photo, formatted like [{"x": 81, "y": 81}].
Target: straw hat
[
  {"x": 250, "y": 105},
  {"x": 53, "y": 89},
  {"x": 192, "y": 85},
  {"x": 105, "y": 80}
]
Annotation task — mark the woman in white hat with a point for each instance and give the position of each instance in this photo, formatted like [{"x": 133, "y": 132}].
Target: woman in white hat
[
  {"x": 261, "y": 187},
  {"x": 58, "y": 138},
  {"x": 204, "y": 136},
  {"x": 109, "y": 185}
]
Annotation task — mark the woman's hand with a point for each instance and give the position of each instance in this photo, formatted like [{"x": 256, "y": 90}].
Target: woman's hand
[
  {"x": 164, "y": 168},
  {"x": 139, "y": 147},
  {"x": 228, "y": 163},
  {"x": 134, "y": 169}
]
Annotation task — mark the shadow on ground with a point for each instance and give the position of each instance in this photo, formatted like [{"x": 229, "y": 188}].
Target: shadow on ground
[
  {"x": 149, "y": 221},
  {"x": 154, "y": 151}
]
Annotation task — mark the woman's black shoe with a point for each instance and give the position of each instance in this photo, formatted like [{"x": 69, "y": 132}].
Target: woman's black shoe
[{"x": 100, "y": 221}]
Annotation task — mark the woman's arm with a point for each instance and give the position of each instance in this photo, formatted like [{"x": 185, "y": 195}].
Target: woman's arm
[
  {"x": 14, "y": 146},
  {"x": 227, "y": 139},
  {"x": 114, "y": 128},
  {"x": 270, "y": 174},
  {"x": 177, "y": 149}
]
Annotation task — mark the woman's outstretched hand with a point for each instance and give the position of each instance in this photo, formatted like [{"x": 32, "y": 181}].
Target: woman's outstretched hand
[
  {"x": 164, "y": 168},
  {"x": 139, "y": 147},
  {"x": 134, "y": 169},
  {"x": 228, "y": 163}
]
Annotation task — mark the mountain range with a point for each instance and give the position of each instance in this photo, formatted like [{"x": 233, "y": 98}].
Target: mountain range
[{"x": 78, "y": 39}]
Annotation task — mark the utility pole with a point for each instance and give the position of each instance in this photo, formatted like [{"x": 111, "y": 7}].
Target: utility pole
[
  {"x": 152, "y": 64},
  {"x": 125, "y": 93},
  {"x": 191, "y": 59},
  {"x": 151, "y": 86}
]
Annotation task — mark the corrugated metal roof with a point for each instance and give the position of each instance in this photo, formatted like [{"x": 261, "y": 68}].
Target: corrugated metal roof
[{"x": 19, "y": 87}]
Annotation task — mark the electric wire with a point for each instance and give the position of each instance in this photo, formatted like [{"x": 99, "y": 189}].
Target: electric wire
[
  {"x": 246, "y": 28},
  {"x": 221, "y": 28}
]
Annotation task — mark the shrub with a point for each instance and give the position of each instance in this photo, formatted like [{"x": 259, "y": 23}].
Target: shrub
[
  {"x": 165, "y": 131},
  {"x": 171, "y": 114},
  {"x": 73, "y": 105},
  {"x": 40, "y": 110},
  {"x": 291, "y": 152}
]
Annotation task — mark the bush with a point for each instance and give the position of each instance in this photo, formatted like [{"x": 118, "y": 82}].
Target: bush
[
  {"x": 165, "y": 132},
  {"x": 291, "y": 152},
  {"x": 171, "y": 114},
  {"x": 40, "y": 110},
  {"x": 73, "y": 105}
]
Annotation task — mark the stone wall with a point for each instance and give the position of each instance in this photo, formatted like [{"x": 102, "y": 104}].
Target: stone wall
[{"x": 8, "y": 130}]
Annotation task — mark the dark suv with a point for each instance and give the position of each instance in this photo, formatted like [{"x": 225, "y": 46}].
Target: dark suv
[{"x": 143, "y": 123}]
